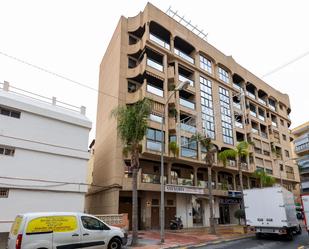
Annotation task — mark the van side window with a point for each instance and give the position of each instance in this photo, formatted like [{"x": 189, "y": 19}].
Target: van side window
[{"x": 93, "y": 224}]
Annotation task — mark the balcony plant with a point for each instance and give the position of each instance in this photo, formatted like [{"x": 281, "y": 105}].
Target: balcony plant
[
  {"x": 265, "y": 179},
  {"x": 132, "y": 126},
  {"x": 174, "y": 148},
  {"x": 210, "y": 151}
]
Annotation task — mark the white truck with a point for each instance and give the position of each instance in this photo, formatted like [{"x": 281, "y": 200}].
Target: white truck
[
  {"x": 271, "y": 211},
  {"x": 305, "y": 206}
]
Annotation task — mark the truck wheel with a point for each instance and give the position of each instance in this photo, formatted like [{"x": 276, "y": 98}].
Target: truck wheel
[
  {"x": 114, "y": 244},
  {"x": 289, "y": 235}
]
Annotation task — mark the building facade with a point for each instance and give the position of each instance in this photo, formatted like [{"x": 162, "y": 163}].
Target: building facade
[
  {"x": 43, "y": 155},
  {"x": 301, "y": 151},
  {"x": 148, "y": 55}
]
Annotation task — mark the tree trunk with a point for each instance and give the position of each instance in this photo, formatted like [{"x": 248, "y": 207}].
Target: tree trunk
[
  {"x": 241, "y": 188},
  {"x": 212, "y": 228},
  {"x": 135, "y": 166}
]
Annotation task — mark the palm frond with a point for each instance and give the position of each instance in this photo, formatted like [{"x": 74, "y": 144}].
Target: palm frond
[{"x": 227, "y": 154}]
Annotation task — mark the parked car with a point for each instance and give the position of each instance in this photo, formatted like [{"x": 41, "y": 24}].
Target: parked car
[
  {"x": 63, "y": 230},
  {"x": 271, "y": 211}
]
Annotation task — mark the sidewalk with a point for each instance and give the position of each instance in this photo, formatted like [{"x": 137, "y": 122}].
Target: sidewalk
[{"x": 188, "y": 237}]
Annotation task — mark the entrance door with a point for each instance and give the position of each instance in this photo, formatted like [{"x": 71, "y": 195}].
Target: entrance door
[
  {"x": 170, "y": 213},
  {"x": 224, "y": 214},
  {"x": 197, "y": 212},
  {"x": 155, "y": 217}
]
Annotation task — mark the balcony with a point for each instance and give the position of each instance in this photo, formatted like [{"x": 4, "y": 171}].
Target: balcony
[
  {"x": 185, "y": 152},
  {"x": 153, "y": 145},
  {"x": 159, "y": 41},
  {"x": 263, "y": 102},
  {"x": 184, "y": 182},
  {"x": 154, "y": 90},
  {"x": 183, "y": 55},
  {"x": 274, "y": 124},
  {"x": 290, "y": 176},
  {"x": 237, "y": 105},
  {"x": 236, "y": 86},
  {"x": 183, "y": 79},
  {"x": 271, "y": 107},
  {"x": 151, "y": 178},
  {"x": 188, "y": 128},
  {"x": 239, "y": 125},
  {"x": 154, "y": 64},
  {"x": 262, "y": 118},
  {"x": 204, "y": 184},
  {"x": 156, "y": 118},
  {"x": 252, "y": 113},
  {"x": 264, "y": 134},
  {"x": 187, "y": 103},
  {"x": 255, "y": 131},
  {"x": 251, "y": 95}
]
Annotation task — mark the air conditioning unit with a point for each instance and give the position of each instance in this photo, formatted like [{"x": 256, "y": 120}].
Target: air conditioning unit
[{"x": 232, "y": 163}]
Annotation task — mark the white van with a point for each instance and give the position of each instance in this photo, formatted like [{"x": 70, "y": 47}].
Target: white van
[{"x": 63, "y": 231}]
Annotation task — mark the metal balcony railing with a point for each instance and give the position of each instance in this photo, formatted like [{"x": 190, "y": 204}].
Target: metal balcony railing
[
  {"x": 187, "y": 103},
  {"x": 154, "y": 65},
  {"x": 154, "y": 90},
  {"x": 183, "y": 55},
  {"x": 159, "y": 41},
  {"x": 184, "y": 78}
]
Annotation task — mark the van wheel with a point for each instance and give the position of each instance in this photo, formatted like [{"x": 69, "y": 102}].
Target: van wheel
[
  {"x": 114, "y": 244},
  {"x": 289, "y": 235}
]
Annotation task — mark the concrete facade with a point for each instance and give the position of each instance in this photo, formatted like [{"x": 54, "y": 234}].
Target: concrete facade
[
  {"x": 301, "y": 151},
  {"x": 148, "y": 55},
  {"x": 43, "y": 155}
]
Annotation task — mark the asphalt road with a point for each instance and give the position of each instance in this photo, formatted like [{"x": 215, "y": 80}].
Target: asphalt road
[{"x": 299, "y": 242}]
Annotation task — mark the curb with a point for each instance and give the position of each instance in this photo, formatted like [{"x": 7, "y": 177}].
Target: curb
[{"x": 214, "y": 242}]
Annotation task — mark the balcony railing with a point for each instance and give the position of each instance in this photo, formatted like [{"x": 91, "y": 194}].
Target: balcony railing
[
  {"x": 274, "y": 124},
  {"x": 184, "y": 78},
  {"x": 255, "y": 131},
  {"x": 237, "y": 86},
  {"x": 261, "y": 117},
  {"x": 185, "y": 152},
  {"x": 271, "y": 107},
  {"x": 251, "y": 95},
  {"x": 156, "y": 118},
  {"x": 153, "y": 145},
  {"x": 157, "y": 40},
  {"x": 151, "y": 178},
  {"x": 262, "y": 101},
  {"x": 154, "y": 64},
  {"x": 264, "y": 134},
  {"x": 188, "y": 128},
  {"x": 290, "y": 175},
  {"x": 252, "y": 113},
  {"x": 204, "y": 184},
  {"x": 187, "y": 103},
  {"x": 184, "y": 182},
  {"x": 183, "y": 55},
  {"x": 237, "y": 105},
  {"x": 155, "y": 90},
  {"x": 239, "y": 125}
]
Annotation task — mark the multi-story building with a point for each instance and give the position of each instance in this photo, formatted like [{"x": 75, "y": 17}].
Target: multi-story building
[
  {"x": 148, "y": 55},
  {"x": 43, "y": 154},
  {"x": 301, "y": 150}
]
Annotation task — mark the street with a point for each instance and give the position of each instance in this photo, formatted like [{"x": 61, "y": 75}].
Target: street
[{"x": 301, "y": 242}]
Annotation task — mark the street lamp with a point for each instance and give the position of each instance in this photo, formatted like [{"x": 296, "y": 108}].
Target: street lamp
[{"x": 180, "y": 86}]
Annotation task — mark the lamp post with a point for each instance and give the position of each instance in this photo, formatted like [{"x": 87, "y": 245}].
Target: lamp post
[{"x": 180, "y": 86}]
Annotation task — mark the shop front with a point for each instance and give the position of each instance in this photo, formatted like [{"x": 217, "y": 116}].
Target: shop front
[{"x": 228, "y": 206}]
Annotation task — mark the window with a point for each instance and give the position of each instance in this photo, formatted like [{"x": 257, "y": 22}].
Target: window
[
  {"x": 284, "y": 137},
  {"x": 6, "y": 151},
  {"x": 4, "y": 192},
  {"x": 281, "y": 122},
  {"x": 188, "y": 147},
  {"x": 154, "y": 139},
  {"x": 269, "y": 171},
  {"x": 223, "y": 75},
  {"x": 226, "y": 118},
  {"x": 155, "y": 202},
  {"x": 205, "y": 64},
  {"x": 287, "y": 154},
  {"x": 9, "y": 112},
  {"x": 93, "y": 224},
  {"x": 208, "y": 120}
]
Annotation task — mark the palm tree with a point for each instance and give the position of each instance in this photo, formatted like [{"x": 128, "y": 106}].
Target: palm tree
[
  {"x": 241, "y": 151},
  {"x": 211, "y": 150},
  {"x": 265, "y": 179},
  {"x": 174, "y": 148},
  {"x": 132, "y": 126}
]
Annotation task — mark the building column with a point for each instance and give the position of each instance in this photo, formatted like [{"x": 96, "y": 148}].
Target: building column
[
  {"x": 234, "y": 182},
  {"x": 169, "y": 169},
  {"x": 172, "y": 43},
  {"x": 216, "y": 179},
  {"x": 195, "y": 176}
]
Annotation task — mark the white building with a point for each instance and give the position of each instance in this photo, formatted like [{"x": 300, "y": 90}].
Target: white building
[{"x": 43, "y": 155}]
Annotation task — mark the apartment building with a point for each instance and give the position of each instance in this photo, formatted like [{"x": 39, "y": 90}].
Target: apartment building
[
  {"x": 301, "y": 150},
  {"x": 148, "y": 55},
  {"x": 43, "y": 154}
]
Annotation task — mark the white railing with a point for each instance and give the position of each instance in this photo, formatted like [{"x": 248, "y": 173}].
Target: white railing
[
  {"x": 183, "y": 79},
  {"x": 237, "y": 105},
  {"x": 262, "y": 101},
  {"x": 261, "y": 117},
  {"x": 237, "y": 86},
  {"x": 252, "y": 113},
  {"x": 251, "y": 95},
  {"x": 255, "y": 131},
  {"x": 274, "y": 124},
  {"x": 159, "y": 41},
  {"x": 188, "y": 128},
  {"x": 239, "y": 125},
  {"x": 154, "y": 64},
  {"x": 183, "y": 55},
  {"x": 155, "y": 90},
  {"x": 187, "y": 103},
  {"x": 272, "y": 108},
  {"x": 53, "y": 101},
  {"x": 153, "y": 145}
]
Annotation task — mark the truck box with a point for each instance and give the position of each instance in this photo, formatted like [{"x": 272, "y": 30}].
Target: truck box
[
  {"x": 271, "y": 210},
  {"x": 305, "y": 205}
]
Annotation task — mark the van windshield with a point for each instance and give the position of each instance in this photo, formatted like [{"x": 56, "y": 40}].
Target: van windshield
[{"x": 16, "y": 225}]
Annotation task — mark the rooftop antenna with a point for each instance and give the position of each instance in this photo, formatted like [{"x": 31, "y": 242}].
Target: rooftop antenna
[{"x": 181, "y": 19}]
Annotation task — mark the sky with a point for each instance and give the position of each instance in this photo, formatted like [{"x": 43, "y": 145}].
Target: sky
[{"x": 70, "y": 37}]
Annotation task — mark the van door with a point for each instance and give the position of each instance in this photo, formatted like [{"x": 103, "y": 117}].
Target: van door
[{"x": 94, "y": 232}]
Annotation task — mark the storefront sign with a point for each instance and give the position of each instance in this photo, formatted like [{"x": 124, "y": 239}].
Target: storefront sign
[
  {"x": 184, "y": 189},
  {"x": 234, "y": 194},
  {"x": 229, "y": 201}
]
